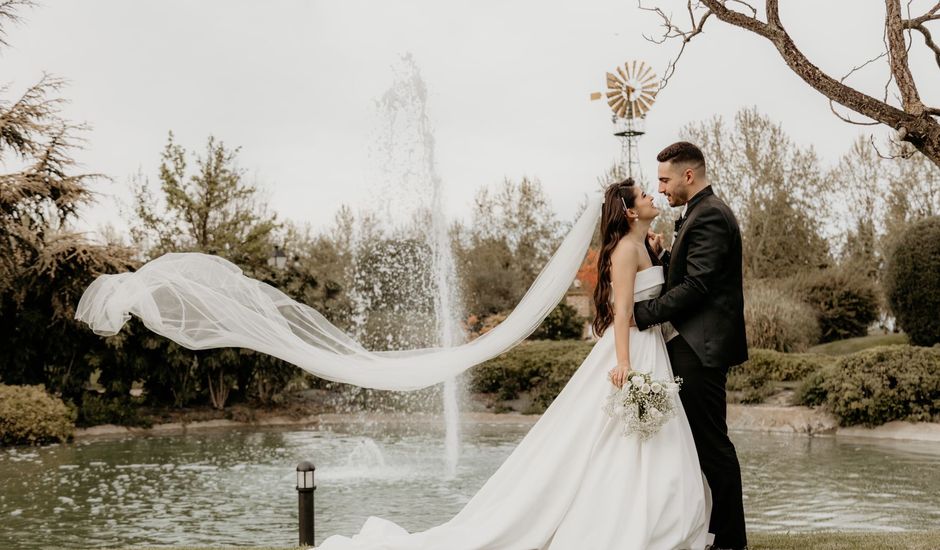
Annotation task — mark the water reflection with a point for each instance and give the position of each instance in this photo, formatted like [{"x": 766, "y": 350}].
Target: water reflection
[{"x": 237, "y": 487}]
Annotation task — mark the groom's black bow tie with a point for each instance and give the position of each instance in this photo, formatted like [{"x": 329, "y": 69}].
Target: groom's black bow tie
[{"x": 679, "y": 223}]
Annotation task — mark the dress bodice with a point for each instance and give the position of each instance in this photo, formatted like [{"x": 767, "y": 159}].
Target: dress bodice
[{"x": 648, "y": 284}]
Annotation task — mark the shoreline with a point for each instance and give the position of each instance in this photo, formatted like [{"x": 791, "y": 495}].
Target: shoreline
[{"x": 760, "y": 418}]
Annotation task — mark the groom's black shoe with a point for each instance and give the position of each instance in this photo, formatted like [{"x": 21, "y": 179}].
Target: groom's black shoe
[{"x": 710, "y": 547}]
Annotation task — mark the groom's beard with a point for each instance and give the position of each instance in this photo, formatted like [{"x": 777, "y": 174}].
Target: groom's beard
[{"x": 678, "y": 197}]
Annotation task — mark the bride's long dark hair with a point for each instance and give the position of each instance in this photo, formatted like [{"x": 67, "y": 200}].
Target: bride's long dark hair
[{"x": 618, "y": 197}]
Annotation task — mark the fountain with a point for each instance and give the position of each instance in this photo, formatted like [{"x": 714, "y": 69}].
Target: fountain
[{"x": 405, "y": 289}]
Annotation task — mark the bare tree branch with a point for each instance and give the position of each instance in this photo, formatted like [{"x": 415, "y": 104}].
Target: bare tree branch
[
  {"x": 843, "y": 118},
  {"x": 748, "y": 6},
  {"x": 8, "y": 14},
  {"x": 898, "y": 60},
  {"x": 932, "y": 14},
  {"x": 919, "y": 127},
  {"x": 673, "y": 31},
  {"x": 832, "y": 106},
  {"x": 884, "y": 40},
  {"x": 905, "y": 150},
  {"x": 774, "y": 31},
  {"x": 928, "y": 40}
]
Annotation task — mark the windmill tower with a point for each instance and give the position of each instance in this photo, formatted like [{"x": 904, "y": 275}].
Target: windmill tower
[{"x": 630, "y": 94}]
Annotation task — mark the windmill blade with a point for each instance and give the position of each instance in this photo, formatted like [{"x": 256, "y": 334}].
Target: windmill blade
[
  {"x": 650, "y": 80},
  {"x": 624, "y": 76},
  {"x": 631, "y": 89}
]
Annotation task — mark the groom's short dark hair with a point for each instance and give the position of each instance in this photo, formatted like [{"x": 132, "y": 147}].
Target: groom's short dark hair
[{"x": 682, "y": 152}]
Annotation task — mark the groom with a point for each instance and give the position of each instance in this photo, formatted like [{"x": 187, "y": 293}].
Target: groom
[{"x": 702, "y": 313}]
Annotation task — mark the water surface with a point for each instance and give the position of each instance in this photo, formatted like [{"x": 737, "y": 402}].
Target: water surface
[{"x": 236, "y": 487}]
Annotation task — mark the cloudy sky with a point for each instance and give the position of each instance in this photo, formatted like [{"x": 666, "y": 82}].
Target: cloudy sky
[{"x": 294, "y": 84}]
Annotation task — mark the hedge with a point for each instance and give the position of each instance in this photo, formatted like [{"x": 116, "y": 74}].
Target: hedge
[
  {"x": 912, "y": 281},
  {"x": 31, "y": 416},
  {"x": 753, "y": 378},
  {"x": 846, "y": 302},
  {"x": 539, "y": 367},
  {"x": 879, "y": 385}
]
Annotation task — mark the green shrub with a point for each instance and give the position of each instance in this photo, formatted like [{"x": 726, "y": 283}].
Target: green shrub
[
  {"x": 29, "y": 415},
  {"x": 782, "y": 367},
  {"x": 912, "y": 281},
  {"x": 541, "y": 367},
  {"x": 777, "y": 320},
  {"x": 563, "y": 323},
  {"x": 882, "y": 384},
  {"x": 754, "y": 377},
  {"x": 123, "y": 410},
  {"x": 812, "y": 391},
  {"x": 754, "y": 385},
  {"x": 846, "y": 302}
]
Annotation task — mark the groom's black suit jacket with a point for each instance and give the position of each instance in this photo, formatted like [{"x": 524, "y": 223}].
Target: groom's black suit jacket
[{"x": 704, "y": 296}]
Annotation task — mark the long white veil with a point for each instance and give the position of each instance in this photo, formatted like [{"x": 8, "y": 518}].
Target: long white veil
[{"x": 201, "y": 301}]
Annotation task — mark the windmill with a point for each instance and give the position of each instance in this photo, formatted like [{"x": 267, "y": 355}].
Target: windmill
[{"x": 630, "y": 94}]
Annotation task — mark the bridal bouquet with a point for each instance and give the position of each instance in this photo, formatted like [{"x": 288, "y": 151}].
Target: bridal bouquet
[{"x": 642, "y": 404}]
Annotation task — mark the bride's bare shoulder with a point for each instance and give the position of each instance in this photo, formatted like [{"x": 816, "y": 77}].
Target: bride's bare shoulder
[{"x": 624, "y": 254}]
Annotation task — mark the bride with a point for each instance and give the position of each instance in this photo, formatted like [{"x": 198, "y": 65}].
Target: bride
[{"x": 573, "y": 483}]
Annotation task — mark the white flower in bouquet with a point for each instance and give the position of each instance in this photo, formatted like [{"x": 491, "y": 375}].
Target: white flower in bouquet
[{"x": 643, "y": 405}]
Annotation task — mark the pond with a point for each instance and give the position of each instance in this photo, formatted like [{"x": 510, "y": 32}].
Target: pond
[{"x": 236, "y": 487}]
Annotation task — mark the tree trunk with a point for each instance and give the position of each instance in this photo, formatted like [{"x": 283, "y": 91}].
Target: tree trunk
[{"x": 218, "y": 393}]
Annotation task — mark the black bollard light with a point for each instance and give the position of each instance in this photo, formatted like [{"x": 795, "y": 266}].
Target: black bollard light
[{"x": 305, "y": 488}]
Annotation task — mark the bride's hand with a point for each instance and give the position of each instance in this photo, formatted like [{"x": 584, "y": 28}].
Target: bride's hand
[
  {"x": 655, "y": 240},
  {"x": 618, "y": 375}
]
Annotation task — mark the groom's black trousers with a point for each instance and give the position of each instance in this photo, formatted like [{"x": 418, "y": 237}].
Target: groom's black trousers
[{"x": 703, "y": 398}]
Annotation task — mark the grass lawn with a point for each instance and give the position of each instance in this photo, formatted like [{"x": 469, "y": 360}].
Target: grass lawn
[
  {"x": 761, "y": 541},
  {"x": 851, "y": 345}
]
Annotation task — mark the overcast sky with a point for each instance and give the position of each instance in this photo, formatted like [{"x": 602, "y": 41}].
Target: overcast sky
[{"x": 294, "y": 84}]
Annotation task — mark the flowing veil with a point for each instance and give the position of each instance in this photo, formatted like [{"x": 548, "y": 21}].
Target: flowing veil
[{"x": 201, "y": 301}]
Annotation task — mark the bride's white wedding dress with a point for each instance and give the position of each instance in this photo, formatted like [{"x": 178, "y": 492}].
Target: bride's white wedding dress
[{"x": 575, "y": 482}]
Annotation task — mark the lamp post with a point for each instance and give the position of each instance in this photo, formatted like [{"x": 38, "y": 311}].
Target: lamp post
[
  {"x": 305, "y": 488},
  {"x": 278, "y": 259}
]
